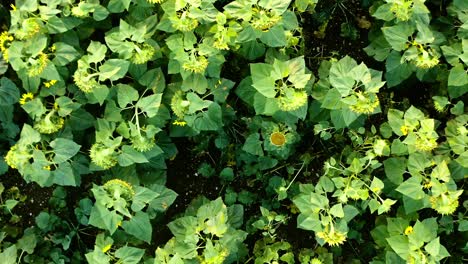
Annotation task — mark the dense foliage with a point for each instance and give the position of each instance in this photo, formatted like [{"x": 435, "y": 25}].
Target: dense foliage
[{"x": 93, "y": 95}]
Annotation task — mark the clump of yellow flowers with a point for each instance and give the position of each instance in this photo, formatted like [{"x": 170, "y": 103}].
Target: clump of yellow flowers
[{"x": 332, "y": 236}]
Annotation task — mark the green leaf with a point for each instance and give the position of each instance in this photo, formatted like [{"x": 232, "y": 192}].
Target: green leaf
[
  {"x": 113, "y": 69},
  {"x": 150, "y": 104},
  {"x": 8, "y": 256},
  {"x": 394, "y": 169},
  {"x": 126, "y": 94},
  {"x": 384, "y": 12},
  {"x": 185, "y": 228},
  {"x": 143, "y": 196},
  {"x": 275, "y": 37},
  {"x": 57, "y": 25},
  {"x": 253, "y": 145},
  {"x": 130, "y": 156},
  {"x": 457, "y": 81},
  {"x": 400, "y": 245},
  {"x": 343, "y": 118},
  {"x": 252, "y": 50},
  {"x": 97, "y": 51},
  {"x": 64, "y": 54},
  {"x": 441, "y": 172},
  {"x": 386, "y": 206},
  {"x": 463, "y": 225},
  {"x": 64, "y": 149},
  {"x": 396, "y": 226},
  {"x": 28, "y": 242},
  {"x": 9, "y": 93},
  {"x": 332, "y": 99},
  {"x": 424, "y": 231},
  {"x": 29, "y": 136},
  {"x": 196, "y": 103},
  {"x": 277, "y": 6},
  {"x": 397, "y": 72},
  {"x": 337, "y": 210},
  {"x": 412, "y": 188},
  {"x": 311, "y": 223},
  {"x": 102, "y": 218},
  {"x": 118, "y": 6},
  {"x": 139, "y": 226},
  {"x": 398, "y": 35},
  {"x": 433, "y": 247},
  {"x": 65, "y": 176},
  {"x": 129, "y": 255},
  {"x": 211, "y": 119},
  {"x": 164, "y": 200},
  {"x": 340, "y": 75},
  {"x": 97, "y": 257}
]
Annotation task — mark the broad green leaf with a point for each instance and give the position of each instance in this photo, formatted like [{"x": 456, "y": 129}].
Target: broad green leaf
[
  {"x": 97, "y": 51},
  {"x": 252, "y": 50},
  {"x": 398, "y": 35},
  {"x": 458, "y": 81},
  {"x": 378, "y": 48},
  {"x": 396, "y": 226},
  {"x": 64, "y": 54},
  {"x": 376, "y": 185},
  {"x": 29, "y": 135},
  {"x": 184, "y": 228},
  {"x": 253, "y": 145},
  {"x": 126, "y": 94},
  {"x": 211, "y": 119},
  {"x": 397, "y": 72},
  {"x": 65, "y": 176},
  {"x": 97, "y": 257},
  {"x": 337, "y": 210},
  {"x": 8, "y": 255},
  {"x": 340, "y": 77},
  {"x": 265, "y": 86},
  {"x": 64, "y": 149},
  {"x": 129, "y": 255},
  {"x": 101, "y": 217},
  {"x": 424, "y": 231},
  {"x": 164, "y": 200},
  {"x": 309, "y": 223},
  {"x": 9, "y": 93},
  {"x": 400, "y": 245},
  {"x": 277, "y": 6},
  {"x": 195, "y": 82},
  {"x": 412, "y": 188},
  {"x": 463, "y": 226},
  {"x": 99, "y": 94},
  {"x": 66, "y": 106},
  {"x": 417, "y": 163},
  {"x": 139, "y": 226},
  {"x": 386, "y": 206},
  {"x": 441, "y": 172},
  {"x": 196, "y": 103},
  {"x": 332, "y": 99},
  {"x": 274, "y": 37},
  {"x": 143, "y": 196},
  {"x": 130, "y": 156},
  {"x": 150, "y": 104},
  {"x": 118, "y": 6},
  {"x": 394, "y": 169},
  {"x": 383, "y": 12},
  {"x": 113, "y": 69},
  {"x": 57, "y": 25},
  {"x": 28, "y": 242}
]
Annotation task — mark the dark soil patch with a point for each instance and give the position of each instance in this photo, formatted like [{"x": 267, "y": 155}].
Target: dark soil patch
[
  {"x": 182, "y": 177},
  {"x": 330, "y": 44},
  {"x": 37, "y": 198}
]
